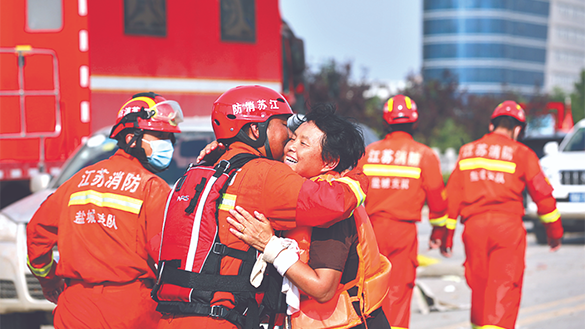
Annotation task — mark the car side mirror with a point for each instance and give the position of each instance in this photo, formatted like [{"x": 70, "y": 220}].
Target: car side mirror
[
  {"x": 39, "y": 182},
  {"x": 551, "y": 148}
]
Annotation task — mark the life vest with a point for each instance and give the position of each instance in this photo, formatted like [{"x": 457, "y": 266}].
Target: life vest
[
  {"x": 356, "y": 300},
  {"x": 191, "y": 252}
]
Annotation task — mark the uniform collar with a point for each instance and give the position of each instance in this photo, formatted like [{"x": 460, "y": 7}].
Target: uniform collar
[
  {"x": 398, "y": 134},
  {"x": 239, "y": 147},
  {"x": 499, "y": 136}
]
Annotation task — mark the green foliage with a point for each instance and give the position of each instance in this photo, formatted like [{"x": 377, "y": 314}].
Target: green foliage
[
  {"x": 448, "y": 117},
  {"x": 578, "y": 98}
]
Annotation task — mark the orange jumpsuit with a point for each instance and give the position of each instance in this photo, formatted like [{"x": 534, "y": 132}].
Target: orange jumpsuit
[
  {"x": 287, "y": 199},
  {"x": 485, "y": 189},
  {"x": 403, "y": 174},
  {"x": 101, "y": 219}
]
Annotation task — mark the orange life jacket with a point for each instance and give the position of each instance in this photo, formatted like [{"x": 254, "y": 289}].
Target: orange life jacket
[{"x": 356, "y": 300}]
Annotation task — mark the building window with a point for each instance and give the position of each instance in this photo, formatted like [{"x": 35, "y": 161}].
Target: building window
[
  {"x": 145, "y": 17},
  {"x": 44, "y": 15},
  {"x": 238, "y": 20}
]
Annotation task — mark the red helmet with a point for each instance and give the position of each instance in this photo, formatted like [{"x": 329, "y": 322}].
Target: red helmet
[
  {"x": 510, "y": 108},
  {"x": 241, "y": 105},
  {"x": 148, "y": 111},
  {"x": 400, "y": 109}
]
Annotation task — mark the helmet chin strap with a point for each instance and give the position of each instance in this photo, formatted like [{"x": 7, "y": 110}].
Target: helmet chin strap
[
  {"x": 262, "y": 138},
  {"x": 138, "y": 151}
]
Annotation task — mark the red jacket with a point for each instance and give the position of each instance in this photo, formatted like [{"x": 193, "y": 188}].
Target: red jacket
[
  {"x": 101, "y": 220},
  {"x": 491, "y": 174},
  {"x": 403, "y": 174}
]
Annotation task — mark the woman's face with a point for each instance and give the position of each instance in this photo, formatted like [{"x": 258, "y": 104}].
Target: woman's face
[{"x": 303, "y": 151}]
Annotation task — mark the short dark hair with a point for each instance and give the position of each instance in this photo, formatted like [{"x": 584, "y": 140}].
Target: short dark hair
[
  {"x": 507, "y": 122},
  {"x": 343, "y": 140}
]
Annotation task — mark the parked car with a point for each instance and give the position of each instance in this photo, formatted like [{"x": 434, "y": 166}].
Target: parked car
[
  {"x": 564, "y": 166},
  {"x": 20, "y": 291}
]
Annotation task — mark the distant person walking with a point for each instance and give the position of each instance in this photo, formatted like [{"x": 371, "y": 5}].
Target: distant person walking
[
  {"x": 485, "y": 190},
  {"x": 403, "y": 175}
]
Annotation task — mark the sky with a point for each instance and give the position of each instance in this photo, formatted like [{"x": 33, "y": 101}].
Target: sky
[{"x": 382, "y": 38}]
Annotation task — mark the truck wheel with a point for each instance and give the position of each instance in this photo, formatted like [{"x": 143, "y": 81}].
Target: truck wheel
[{"x": 539, "y": 232}]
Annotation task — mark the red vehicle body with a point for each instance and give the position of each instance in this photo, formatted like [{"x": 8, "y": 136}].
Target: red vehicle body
[
  {"x": 68, "y": 65},
  {"x": 546, "y": 122}
]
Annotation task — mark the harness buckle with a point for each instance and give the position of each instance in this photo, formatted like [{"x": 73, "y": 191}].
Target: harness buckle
[
  {"x": 218, "y": 311},
  {"x": 219, "y": 248}
]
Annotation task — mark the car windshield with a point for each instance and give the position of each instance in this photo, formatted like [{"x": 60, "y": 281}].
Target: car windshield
[
  {"x": 577, "y": 142},
  {"x": 99, "y": 147}
]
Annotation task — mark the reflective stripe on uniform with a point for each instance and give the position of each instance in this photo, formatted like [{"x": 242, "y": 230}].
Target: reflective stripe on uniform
[
  {"x": 451, "y": 223},
  {"x": 228, "y": 202},
  {"x": 40, "y": 272},
  {"x": 438, "y": 221},
  {"x": 391, "y": 171},
  {"x": 355, "y": 187},
  {"x": 487, "y": 326},
  {"x": 107, "y": 200},
  {"x": 551, "y": 217},
  {"x": 489, "y": 164}
]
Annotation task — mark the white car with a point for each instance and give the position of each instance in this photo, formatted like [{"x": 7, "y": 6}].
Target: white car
[
  {"x": 564, "y": 166},
  {"x": 20, "y": 291}
]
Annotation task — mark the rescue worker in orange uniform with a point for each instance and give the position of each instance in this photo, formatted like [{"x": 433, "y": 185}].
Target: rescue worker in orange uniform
[
  {"x": 344, "y": 259},
  {"x": 485, "y": 191},
  {"x": 102, "y": 218},
  {"x": 253, "y": 119},
  {"x": 403, "y": 174}
]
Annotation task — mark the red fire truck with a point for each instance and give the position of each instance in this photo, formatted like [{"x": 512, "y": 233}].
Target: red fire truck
[{"x": 67, "y": 65}]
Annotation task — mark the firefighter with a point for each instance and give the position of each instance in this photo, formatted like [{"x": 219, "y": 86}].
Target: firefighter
[
  {"x": 485, "y": 190},
  {"x": 403, "y": 174},
  {"x": 344, "y": 258},
  {"x": 101, "y": 220},
  {"x": 253, "y": 119}
]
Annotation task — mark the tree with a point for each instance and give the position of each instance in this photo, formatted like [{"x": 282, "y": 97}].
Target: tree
[{"x": 578, "y": 98}]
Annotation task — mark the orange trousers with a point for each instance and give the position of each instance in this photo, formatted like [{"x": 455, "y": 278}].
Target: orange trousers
[
  {"x": 200, "y": 322},
  {"x": 83, "y": 305},
  {"x": 495, "y": 246},
  {"x": 397, "y": 240}
]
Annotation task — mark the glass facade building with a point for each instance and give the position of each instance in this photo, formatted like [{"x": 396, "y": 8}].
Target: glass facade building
[{"x": 488, "y": 45}]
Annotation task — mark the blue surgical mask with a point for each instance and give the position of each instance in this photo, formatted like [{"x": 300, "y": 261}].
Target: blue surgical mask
[{"x": 162, "y": 153}]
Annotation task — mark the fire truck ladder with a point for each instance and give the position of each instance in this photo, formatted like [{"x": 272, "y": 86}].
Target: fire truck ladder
[{"x": 21, "y": 52}]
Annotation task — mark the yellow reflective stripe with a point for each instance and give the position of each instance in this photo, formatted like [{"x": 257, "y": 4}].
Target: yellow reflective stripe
[
  {"x": 393, "y": 171},
  {"x": 355, "y": 187},
  {"x": 451, "y": 223},
  {"x": 228, "y": 202},
  {"x": 487, "y": 326},
  {"x": 551, "y": 217},
  {"x": 40, "y": 272},
  {"x": 107, "y": 200},
  {"x": 489, "y": 164},
  {"x": 438, "y": 221}
]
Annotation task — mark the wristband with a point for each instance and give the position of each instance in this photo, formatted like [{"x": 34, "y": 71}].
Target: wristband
[
  {"x": 285, "y": 260},
  {"x": 272, "y": 249}
]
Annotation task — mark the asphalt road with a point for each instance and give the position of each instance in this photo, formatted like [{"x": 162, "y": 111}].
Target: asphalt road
[{"x": 553, "y": 291}]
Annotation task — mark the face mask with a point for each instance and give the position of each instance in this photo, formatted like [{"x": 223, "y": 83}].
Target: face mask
[{"x": 162, "y": 153}]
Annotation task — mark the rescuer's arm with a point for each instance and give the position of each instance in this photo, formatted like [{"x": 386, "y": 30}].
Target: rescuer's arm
[
  {"x": 312, "y": 203},
  {"x": 41, "y": 238},
  {"x": 320, "y": 283},
  {"x": 154, "y": 205},
  {"x": 540, "y": 191},
  {"x": 444, "y": 229}
]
